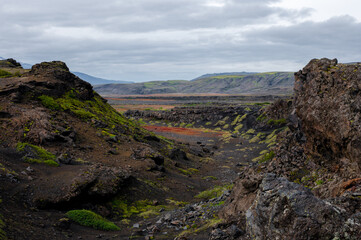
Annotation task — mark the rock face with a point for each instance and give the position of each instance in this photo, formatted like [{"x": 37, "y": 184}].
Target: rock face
[
  {"x": 321, "y": 150},
  {"x": 286, "y": 210},
  {"x": 328, "y": 102},
  {"x": 97, "y": 182}
]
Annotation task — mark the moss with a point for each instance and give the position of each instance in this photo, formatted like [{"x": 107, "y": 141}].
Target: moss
[
  {"x": 217, "y": 191},
  {"x": 277, "y": 122},
  {"x": 195, "y": 229},
  {"x": 220, "y": 123},
  {"x": 271, "y": 138},
  {"x": 176, "y": 203},
  {"x": 265, "y": 157},
  {"x": 208, "y": 123},
  {"x": 49, "y": 102},
  {"x": 257, "y": 138},
  {"x": 319, "y": 182},
  {"x": 91, "y": 219},
  {"x": 262, "y": 103},
  {"x": 189, "y": 171},
  {"x": 239, "y": 119},
  {"x": 105, "y": 133},
  {"x": 42, "y": 156},
  {"x": 238, "y": 128},
  {"x": 141, "y": 208},
  {"x": 251, "y": 131},
  {"x": 226, "y": 126},
  {"x": 209, "y": 178},
  {"x": 5, "y": 74},
  {"x": 261, "y": 117}
]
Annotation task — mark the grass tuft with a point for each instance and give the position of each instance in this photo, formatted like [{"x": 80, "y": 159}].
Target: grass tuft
[
  {"x": 90, "y": 219},
  {"x": 217, "y": 191}
]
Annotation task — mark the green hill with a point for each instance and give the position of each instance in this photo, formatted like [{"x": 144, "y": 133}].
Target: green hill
[{"x": 257, "y": 83}]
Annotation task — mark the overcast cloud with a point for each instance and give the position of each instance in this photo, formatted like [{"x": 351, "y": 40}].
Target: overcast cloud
[{"x": 143, "y": 40}]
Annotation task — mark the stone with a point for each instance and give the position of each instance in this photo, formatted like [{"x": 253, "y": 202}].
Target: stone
[{"x": 286, "y": 210}]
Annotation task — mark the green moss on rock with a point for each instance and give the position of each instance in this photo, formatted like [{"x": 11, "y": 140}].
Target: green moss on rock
[
  {"x": 217, "y": 191},
  {"x": 40, "y": 154}
]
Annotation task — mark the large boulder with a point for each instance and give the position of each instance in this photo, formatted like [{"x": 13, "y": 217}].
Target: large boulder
[
  {"x": 286, "y": 210},
  {"x": 328, "y": 103},
  {"x": 96, "y": 184}
]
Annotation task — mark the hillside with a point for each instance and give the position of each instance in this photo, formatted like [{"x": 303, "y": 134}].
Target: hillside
[
  {"x": 223, "y": 74},
  {"x": 259, "y": 83}
]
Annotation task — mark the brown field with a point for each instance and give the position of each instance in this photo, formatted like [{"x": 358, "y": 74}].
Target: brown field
[
  {"x": 116, "y": 97},
  {"x": 140, "y": 99},
  {"x": 124, "y": 108}
]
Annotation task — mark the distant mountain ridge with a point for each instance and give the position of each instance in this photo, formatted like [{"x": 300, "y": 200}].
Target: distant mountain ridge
[
  {"x": 223, "y": 74},
  {"x": 250, "y": 83},
  {"x": 97, "y": 81}
]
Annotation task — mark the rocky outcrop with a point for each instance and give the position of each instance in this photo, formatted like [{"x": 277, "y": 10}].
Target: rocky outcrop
[
  {"x": 9, "y": 63},
  {"x": 47, "y": 78},
  {"x": 328, "y": 103},
  {"x": 56, "y": 79},
  {"x": 321, "y": 151}
]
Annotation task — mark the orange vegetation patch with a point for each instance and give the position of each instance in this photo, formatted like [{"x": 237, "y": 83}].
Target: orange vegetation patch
[
  {"x": 123, "y": 108},
  {"x": 185, "y": 131}
]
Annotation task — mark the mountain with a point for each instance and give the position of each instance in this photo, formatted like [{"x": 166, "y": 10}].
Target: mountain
[
  {"x": 95, "y": 80},
  {"x": 250, "y": 83},
  {"x": 223, "y": 74},
  {"x": 26, "y": 65}
]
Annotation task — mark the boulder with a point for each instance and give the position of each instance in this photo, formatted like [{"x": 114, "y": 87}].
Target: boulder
[{"x": 286, "y": 210}]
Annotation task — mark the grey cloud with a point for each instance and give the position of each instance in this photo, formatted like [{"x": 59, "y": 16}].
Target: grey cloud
[
  {"x": 140, "y": 15},
  {"x": 145, "y": 40}
]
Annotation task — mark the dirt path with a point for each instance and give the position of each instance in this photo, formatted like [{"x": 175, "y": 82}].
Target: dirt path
[{"x": 228, "y": 153}]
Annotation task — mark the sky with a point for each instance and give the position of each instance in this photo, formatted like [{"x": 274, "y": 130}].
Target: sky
[{"x": 143, "y": 40}]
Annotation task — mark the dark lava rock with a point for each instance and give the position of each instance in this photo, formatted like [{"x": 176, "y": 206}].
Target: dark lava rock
[
  {"x": 178, "y": 155},
  {"x": 285, "y": 210},
  {"x": 328, "y": 103},
  {"x": 10, "y": 63},
  {"x": 321, "y": 150},
  {"x": 97, "y": 183}
]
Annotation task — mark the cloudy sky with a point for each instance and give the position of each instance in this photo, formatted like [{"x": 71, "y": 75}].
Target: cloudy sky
[{"x": 142, "y": 40}]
